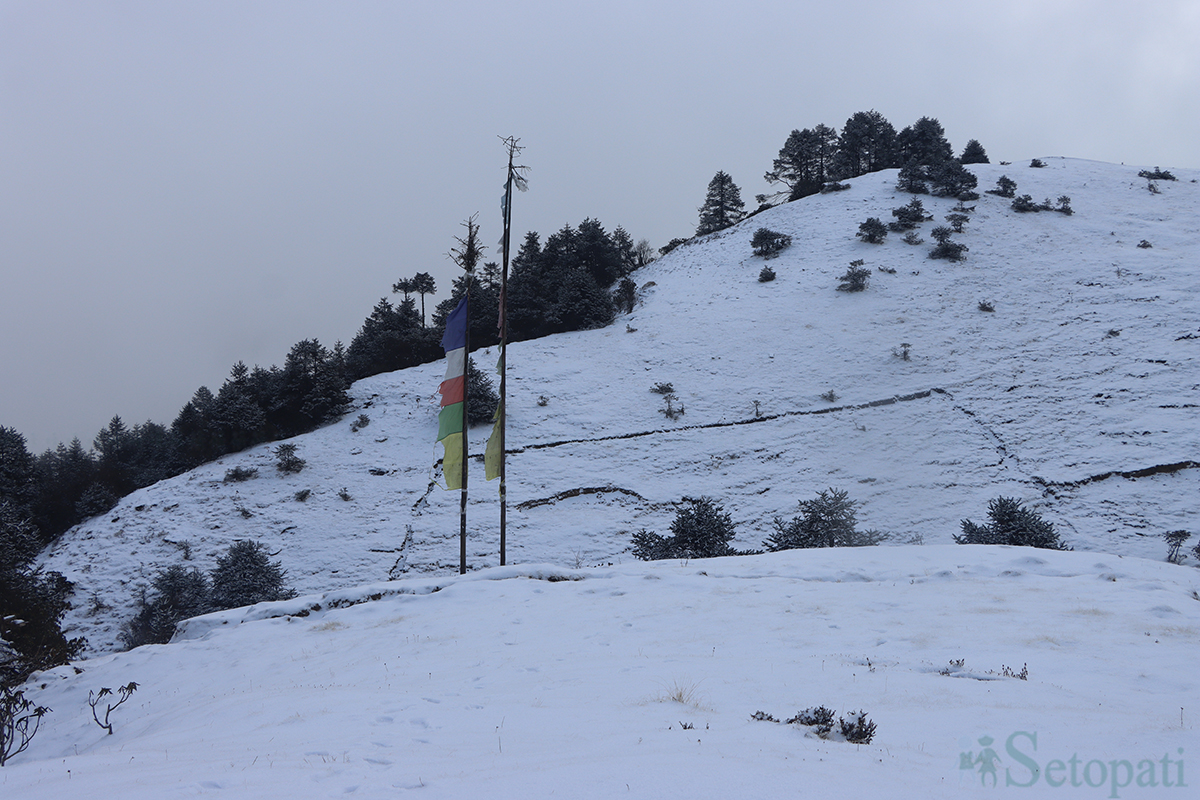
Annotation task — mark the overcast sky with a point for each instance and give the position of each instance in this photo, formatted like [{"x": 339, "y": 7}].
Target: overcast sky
[{"x": 189, "y": 184}]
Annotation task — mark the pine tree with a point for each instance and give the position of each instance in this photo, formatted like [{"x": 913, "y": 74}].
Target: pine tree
[
  {"x": 481, "y": 395},
  {"x": 974, "y": 153},
  {"x": 923, "y": 142},
  {"x": 177, "y": 594},
  {"x": 1012, "y": 525},
  {"x": 423, "y": 284},
  {"x": 722, "y": 207},
  {"x": 245, "y": 575},
  {"x": 867, "y": 144},
  {"x": 701, "y": 529},
  {"x": 827, "y": 521},
  {"x": 805, "y": 162}
]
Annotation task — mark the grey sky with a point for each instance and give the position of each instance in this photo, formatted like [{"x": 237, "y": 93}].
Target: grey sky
[{"x": 185, "y": 185}]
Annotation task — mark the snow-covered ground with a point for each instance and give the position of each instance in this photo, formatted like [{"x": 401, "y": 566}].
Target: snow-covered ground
[
  {"x": 640, "y": 680},
  {"x": 1077, "y": 395}
]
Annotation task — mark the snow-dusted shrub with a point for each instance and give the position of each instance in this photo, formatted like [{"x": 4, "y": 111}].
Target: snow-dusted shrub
[
  {"x": 908, "y": 216},
  {"x": 858, "y": 729},
  {"x": 245, "y": 575},
  {"x": 302, "y": 495},
  {"x": 913, "y": 178},
  {"x": 768, "y": 243},
  {"x": 360, "y": 423},
  {"x": 834, "y": 186},
  {"x": 701, "y": 529},
  {"x": 873, "y": 231},
  {"x": 949, "y": 250},
  {"x": 1005, "y": 187},
  {"x": 177, "y": 594},
  {"x": 826, "y": 521},
  {"x": 957, "y": 220},
  {"x": 1037, "y": 163},
  {"x": 1024, "y": 204},
  {"x": 19, "y": 721},
  {"x": 986, "y": 305},
  {"x": 239, "y": 474},
  {"x": 1145, "y": 245},
  {"x": 94, "y": 698},
  {"x": 912, "y": 238},
  {"x": 1175, "y": 540},
  {"x": 820, "y": 719},
  {"x": 287, "y": 460},
  {"x": 766, "y": 275},
  {"x": 855, "y": 279},
  {"x": 1157, "y": 175},
  {"x": 952, "y": 179},
  {"x": 1013, "y": 525}
]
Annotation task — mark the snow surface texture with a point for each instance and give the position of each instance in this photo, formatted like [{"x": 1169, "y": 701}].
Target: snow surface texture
[
  {"x": 581, "y": 672},
  {"x": 641, "y": 680}
]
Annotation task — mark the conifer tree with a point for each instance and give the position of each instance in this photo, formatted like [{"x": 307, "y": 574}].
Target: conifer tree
[
  {"x": 867, "y": 144},
  {"x": 923, "y": 142},
  {"x": 723, "y": 205},
  {"x": 974, "y": 153},
  {"x": 423, "y": 284}
]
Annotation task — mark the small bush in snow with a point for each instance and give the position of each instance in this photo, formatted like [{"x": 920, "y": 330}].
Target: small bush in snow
[
  {"x": 239, "y": 474},
  {"x": 344, "y": 494},
  {"x": 766, "y": 275},
  {"x": 1156, "y": 175},
  {"x": 1037, "y": 163},
  {"x": 245, "y": 575},
  {"x": 1145, "y": 245},
  {"x": 858, "y": 729},
  {"x": 820, "y": 719},
  {"x": 360, "y": 423},
  {"x": 908, "y": 216},
  {"x": 177, "y": 594},
  {"x": 1175, "y": 540},
  {"x": 873, "y": 231},
  {"x": 287, "y": 460},
  {"x": 1013, "y": 525},
  {"x": 768, "y": 243},
  {"x": 19, "y": 721},
  {"x": 1024, "y": 204},
  {"x": 303, "y": 494},
  {"x": 702, "y": 529},
  {"x": 855, "y": 279},
  {"x": 834, "y": 186},
  {"x": 949, "y": 250},
  {"x": 123, "y": 692},
  {"x": 985, "y": 305},
  {"x": 1005, "y": 187},
  {"x": 912, "y": 238},
  {"x": 957, "y": 221},
  {"x": 826, "y": 521}
]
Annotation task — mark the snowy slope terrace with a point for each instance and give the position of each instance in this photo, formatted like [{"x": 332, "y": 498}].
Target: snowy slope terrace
[
  {"x": 1078, "y": 395},
  {"x": 975, "y": 664}
]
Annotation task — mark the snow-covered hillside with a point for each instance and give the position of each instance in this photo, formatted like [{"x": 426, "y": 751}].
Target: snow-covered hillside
[
  {"x": 1081, "y": 384},
  {"x": 576, "y": 671}
]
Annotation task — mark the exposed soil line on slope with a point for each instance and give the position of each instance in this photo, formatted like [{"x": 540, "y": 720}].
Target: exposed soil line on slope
[
  {"x": 1145, "y": 472},
  {"x": 709, "y": 425}
]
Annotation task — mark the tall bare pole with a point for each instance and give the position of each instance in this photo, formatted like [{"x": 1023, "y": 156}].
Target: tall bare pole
[
  {"x": 515, "y": 176},
  {"x": 462, "y": 500},
  {"x": 467, "y": 256}
]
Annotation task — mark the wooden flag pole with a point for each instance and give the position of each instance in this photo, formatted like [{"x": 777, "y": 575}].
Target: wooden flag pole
[
  {"x": 462, "y": 501},
  {"x": 513, "y": 150}
]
